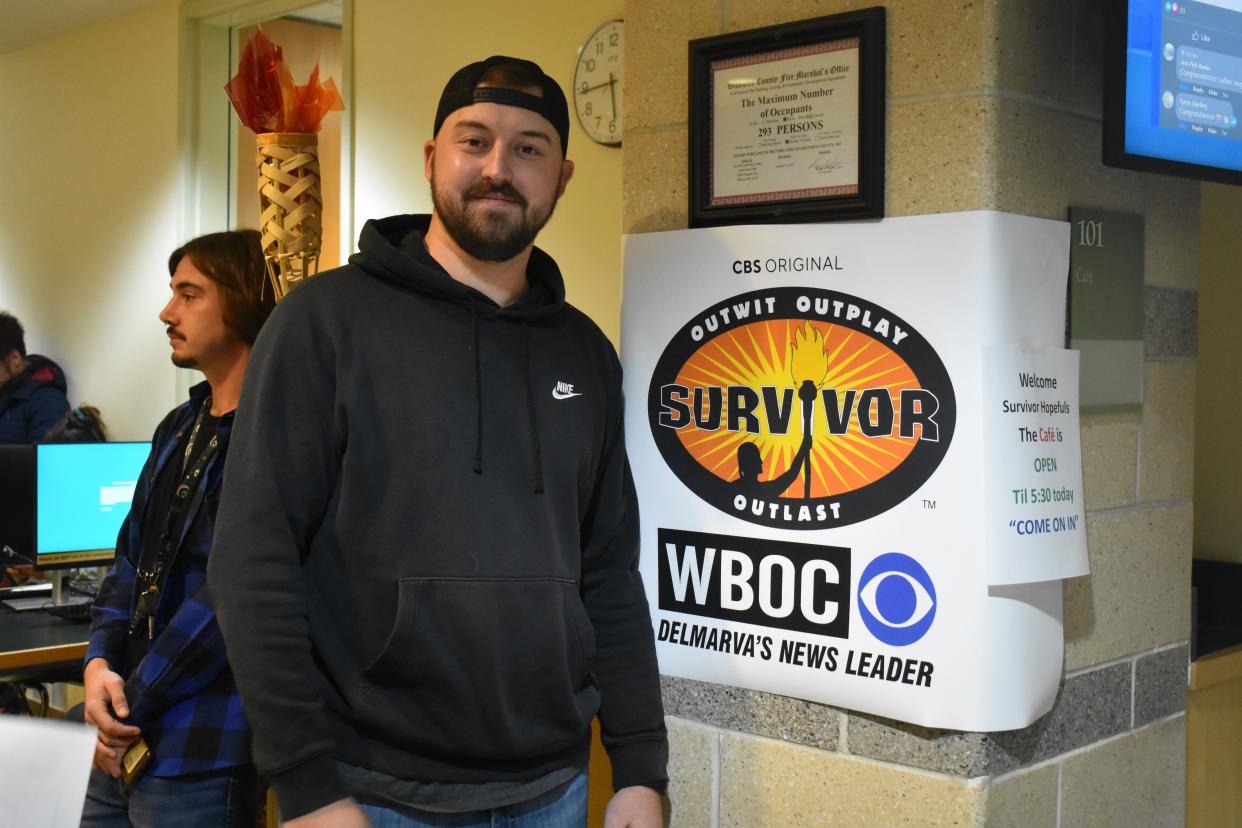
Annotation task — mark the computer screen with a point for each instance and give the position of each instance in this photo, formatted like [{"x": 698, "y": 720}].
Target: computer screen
[
  {"x": 83, "y": 492},
  {"x": 1173, "y": 95},
  {"x": 17, "y": 505}
]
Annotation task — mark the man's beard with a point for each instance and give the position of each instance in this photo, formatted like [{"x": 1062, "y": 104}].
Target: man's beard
[
  {"x": 181, "y": 360},
  {"x": 488, "y": 237}
]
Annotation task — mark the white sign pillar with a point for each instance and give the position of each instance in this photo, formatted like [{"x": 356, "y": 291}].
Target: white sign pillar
[{"x": 857, "y": 456}]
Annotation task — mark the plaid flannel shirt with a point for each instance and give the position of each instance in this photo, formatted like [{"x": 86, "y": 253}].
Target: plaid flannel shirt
[{"x": 181, "y": 694}]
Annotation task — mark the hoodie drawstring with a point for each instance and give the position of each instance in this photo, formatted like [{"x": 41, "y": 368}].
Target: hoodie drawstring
[
  {"x": 532, "y": 418},
  {"x": 478, "y": 391}
]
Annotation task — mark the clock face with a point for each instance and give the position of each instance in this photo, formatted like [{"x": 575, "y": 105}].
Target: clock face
[{"x": 598, "y": 82}]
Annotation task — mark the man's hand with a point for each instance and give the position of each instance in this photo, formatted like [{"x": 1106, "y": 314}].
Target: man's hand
[
  {"x": 101, "y": 687},
  {"x": 634, "y": 807},
  {"x": 344, "y": 813},
  {"x": 108, "y": 759}
]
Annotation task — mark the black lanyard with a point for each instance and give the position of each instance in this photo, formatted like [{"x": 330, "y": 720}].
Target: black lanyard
[{"x": 152, "y": 568}]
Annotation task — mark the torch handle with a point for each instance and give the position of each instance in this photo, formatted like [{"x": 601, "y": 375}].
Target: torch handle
[{"x": 808, "y": 404}]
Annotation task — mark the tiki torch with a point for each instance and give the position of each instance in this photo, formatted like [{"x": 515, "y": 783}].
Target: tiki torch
[{"x": 808, "y": 366}]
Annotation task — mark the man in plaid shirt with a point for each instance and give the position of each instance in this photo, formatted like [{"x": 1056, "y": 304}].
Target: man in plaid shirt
[{"x": 156, "y": 673}]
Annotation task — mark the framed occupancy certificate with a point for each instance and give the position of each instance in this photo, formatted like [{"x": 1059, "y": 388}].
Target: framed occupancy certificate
[
  {"x": 792, "y": 133},
  {"x": 785, "y": 124}
]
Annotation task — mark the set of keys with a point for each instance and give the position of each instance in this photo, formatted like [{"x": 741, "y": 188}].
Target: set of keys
[
  {"x": 148, "y": 600},
  {"x": 147, "y": 604}
]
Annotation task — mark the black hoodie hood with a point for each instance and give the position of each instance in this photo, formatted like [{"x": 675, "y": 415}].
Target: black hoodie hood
[{"x": 392, "y": 250}]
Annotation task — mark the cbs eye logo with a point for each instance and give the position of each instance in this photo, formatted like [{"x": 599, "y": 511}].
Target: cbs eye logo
[{"x": 897, "y": 599}]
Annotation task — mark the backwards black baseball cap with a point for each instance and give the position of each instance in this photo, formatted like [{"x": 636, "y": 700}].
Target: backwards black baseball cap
[{"x": 463, "y": 90}]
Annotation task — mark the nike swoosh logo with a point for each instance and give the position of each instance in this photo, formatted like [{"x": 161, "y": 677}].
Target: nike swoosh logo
[{"x": 558, "y": 394}]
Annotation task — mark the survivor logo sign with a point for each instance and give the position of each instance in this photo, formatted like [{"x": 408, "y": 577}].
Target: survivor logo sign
[{"x": 801, "y": 408}]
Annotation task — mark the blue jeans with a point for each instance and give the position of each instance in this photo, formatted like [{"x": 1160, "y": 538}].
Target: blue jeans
[
  {"x": 221, "y": 799},
  {"x": 562, "y": 807}
]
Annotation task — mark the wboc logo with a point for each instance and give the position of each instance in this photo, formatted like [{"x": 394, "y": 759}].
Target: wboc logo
[{"x": 897, "y": 599}]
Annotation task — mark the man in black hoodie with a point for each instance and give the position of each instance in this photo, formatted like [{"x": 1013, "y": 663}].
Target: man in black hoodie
[
  {"x": 425, "y": 562},
  {"x": 32, "y": 387}
]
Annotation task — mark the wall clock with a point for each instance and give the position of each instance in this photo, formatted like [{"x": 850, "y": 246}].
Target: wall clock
[{"x": 599, "y": 79}]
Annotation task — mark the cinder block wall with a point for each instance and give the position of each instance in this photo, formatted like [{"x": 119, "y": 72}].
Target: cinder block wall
[{"x": 992, "y": 104}]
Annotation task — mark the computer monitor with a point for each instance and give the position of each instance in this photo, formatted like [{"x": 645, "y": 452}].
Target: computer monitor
[
  {"x": 82, "y": 494},
  {"x": 17, "y": 505}
]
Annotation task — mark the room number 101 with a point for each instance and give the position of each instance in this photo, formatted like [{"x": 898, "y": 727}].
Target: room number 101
[{"x": 1090, "y": 233}]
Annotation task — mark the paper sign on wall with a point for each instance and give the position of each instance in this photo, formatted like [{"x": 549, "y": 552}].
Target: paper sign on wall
[{"x": 1033, "y": 466}]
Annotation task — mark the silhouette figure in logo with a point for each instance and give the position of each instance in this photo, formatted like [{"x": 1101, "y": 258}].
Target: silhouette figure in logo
[
  {"x": 750, "y": 466},
  {"x": 750, "y": 461}
]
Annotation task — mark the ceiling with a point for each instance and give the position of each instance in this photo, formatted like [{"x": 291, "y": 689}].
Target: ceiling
[{"x": 26, "y": 22}]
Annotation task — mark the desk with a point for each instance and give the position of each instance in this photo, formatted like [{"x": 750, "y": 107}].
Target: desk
[{"x": 40, "y": 647}]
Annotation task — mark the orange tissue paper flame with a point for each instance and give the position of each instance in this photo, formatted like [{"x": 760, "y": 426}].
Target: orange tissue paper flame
[{"x": 266, "y": 98}]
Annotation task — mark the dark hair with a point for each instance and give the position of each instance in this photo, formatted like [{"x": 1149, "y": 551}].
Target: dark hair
[
  {"x": 12, "y": 335},
  {"x": 234, "y": 261},
  {"x": 81, "y": 425}
]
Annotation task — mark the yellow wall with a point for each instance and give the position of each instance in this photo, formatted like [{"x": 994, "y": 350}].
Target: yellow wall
[
  {"x": 89, "y": 211},
  {"x": 404, "y": 52},
  {"x": 1218, "y": 451}
]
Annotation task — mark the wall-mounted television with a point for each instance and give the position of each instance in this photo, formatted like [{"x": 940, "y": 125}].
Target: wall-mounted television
[{"x": 1173, "y": 88}]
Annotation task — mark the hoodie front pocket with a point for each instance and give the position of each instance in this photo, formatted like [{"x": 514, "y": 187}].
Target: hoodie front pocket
[{"x": 478, "y": 668}]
